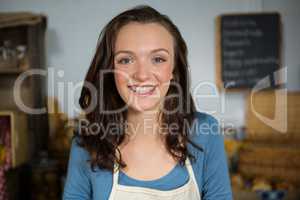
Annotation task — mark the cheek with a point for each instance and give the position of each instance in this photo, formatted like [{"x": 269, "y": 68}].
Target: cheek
[
  {"x": 120, "y": 82},
  {"x": 165, "y": 74},
  {"x": 119, "y": 79},
  {"x": 164, "y": 77}
]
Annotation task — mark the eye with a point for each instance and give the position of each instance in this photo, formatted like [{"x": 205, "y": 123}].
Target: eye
[
  {"x": 124, "y": 61},
  {"x": 159, "y": 59}
]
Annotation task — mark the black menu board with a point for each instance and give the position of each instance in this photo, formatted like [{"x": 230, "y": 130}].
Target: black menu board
[{"x": 248, "y": 49}]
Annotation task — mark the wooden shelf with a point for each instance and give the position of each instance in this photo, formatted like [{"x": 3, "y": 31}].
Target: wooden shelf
[
  {"x": 239, "y": 194},
  {"x": 16, "y": 70}
]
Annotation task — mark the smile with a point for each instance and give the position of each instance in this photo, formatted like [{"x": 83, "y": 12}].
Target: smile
[{"x": 142, "y": 90}]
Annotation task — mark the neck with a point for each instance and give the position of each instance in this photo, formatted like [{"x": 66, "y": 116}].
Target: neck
[{"x": 143, "y": 125}]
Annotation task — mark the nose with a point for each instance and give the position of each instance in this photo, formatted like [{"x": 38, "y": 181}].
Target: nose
[{"x": 142, "y": 72}]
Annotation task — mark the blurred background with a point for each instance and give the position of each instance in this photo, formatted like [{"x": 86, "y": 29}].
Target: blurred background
[{"x": 244, "y": 59}]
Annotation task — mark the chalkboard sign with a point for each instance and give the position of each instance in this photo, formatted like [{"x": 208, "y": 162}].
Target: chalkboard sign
[{"x": 248, "y": 49}]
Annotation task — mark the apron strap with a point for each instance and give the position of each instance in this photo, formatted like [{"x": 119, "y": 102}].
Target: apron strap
[
  {"x": 116, "y": 174},
  {"x": 114, "y": 181},
  {"x": 192, "y": 174}
]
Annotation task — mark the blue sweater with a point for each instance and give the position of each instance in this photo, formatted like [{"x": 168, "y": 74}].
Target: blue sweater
[{"x": 210, "y": 169}]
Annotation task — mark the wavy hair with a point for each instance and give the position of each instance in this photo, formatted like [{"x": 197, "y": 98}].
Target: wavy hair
[{"x": 103, "y": 146}]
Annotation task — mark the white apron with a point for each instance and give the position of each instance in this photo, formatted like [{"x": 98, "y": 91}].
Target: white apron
[{"x": 188, "y": 191}]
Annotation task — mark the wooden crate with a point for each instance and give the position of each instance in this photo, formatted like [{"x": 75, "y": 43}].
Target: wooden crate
[
  {"x": 270, "y": 156},
  {"x": 239, "y": 194},
  {"x": 268, "y": 152},
  {"x": 19, "y": 146},
  {"x": 264, "y": 104}
]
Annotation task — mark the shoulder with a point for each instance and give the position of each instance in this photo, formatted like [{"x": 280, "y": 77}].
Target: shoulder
[
  {"x": 81, "y": 180},
  {"x": 78, "y": 182},
  {"x": 79, "y": 158},
  {"x": 78, "y": 153},
  {"x": 204, "y": 118},
  {"x": 205, "y": 129},
  {"x": 213, "y": 178}
]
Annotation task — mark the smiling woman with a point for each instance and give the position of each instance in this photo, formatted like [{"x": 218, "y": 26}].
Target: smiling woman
[{"x": 158, "y": 150}]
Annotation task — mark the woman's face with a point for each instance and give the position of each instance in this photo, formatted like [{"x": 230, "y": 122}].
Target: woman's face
[{"x": 143, "y": 61}]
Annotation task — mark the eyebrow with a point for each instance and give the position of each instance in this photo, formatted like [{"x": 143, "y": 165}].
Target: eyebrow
[{"x": 131, "y": 52}]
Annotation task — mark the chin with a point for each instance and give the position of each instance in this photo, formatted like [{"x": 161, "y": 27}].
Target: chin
[{"x": 145, "y": 106}]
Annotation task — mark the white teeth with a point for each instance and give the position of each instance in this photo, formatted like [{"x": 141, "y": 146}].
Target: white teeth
[{"x": 142, "y": 89}]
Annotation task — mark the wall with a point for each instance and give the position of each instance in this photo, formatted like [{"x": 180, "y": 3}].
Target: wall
[{"x": 74, "y": 27}]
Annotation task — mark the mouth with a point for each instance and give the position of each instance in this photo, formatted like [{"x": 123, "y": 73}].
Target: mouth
[{"x": 144, "y": 90}]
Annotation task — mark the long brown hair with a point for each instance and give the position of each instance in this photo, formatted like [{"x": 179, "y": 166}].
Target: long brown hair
[{"x": 103, "y": 146}]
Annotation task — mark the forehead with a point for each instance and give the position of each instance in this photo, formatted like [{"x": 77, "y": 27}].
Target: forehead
[{"x": 143, "y": 37}]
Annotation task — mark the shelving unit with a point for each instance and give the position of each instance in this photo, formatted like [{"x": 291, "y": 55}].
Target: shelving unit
[{"x": 26, "y": 30}]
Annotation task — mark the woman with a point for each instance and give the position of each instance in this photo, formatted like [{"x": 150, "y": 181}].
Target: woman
[{"x": 144, "y": 138}]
